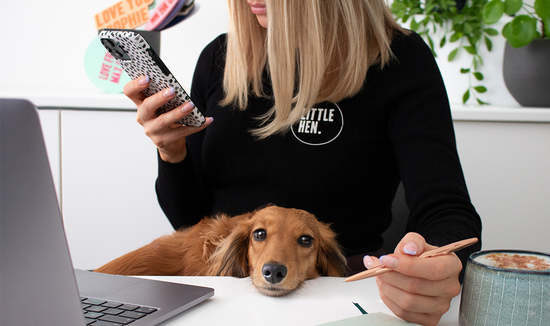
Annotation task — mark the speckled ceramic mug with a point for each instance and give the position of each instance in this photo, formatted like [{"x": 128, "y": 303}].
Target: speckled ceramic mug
[{"x": 506, "y": 287}]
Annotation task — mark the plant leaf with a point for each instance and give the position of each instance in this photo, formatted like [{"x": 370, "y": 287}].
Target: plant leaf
[
  {"x": 473, "y": 40},
  {"x": 478, "y": 75},
  {"x": 466, "y": 96},
  {"x": 481, "y": 102},
  {"x": 464, "y": 70},
  {"x": 492, "y": 11},
  {"x": 520, "y": 31},
  {"x": 512, "y": 6},
  {"x": 542, "y": 8},
  {"x": 414, "y": 25},
  {"x": 480, "y": 58},
  {"x": 457, "y": 19},
  {"x": 470, "y": 49},
  {"x": 455, "y": 37},
  {"x": 468, "y": 29},
  {"x": 490, "y": 31},
  {"x": 547, "y": 27},
  {"x": 452, "y": 55},
  {"x": 425, "y": 21},
  {"x": 430, "y": 41},
  {"x": 480, "y": 89},
  {"x": 488, "y": 43}
]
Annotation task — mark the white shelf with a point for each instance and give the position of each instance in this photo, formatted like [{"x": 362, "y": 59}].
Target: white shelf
[
  {"x": 499, "y": 113},
  {"x": 85, "y": 98},
  {"x": 96, "y": 99}
]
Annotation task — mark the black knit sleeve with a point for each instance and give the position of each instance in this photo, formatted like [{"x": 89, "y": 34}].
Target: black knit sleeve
[
  {"x": 422, "y": 135},
  {"x": 182, "y": 190}
]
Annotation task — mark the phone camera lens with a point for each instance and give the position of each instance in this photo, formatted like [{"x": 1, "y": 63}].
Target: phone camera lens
[
  {"x": 118, "y": 54},
  {"x": 115, "y": 49},
  {"x": 108, "y": 43}
]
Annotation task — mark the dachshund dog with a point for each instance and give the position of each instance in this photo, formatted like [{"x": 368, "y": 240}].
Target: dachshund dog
[{"x": 279, "y": 248}]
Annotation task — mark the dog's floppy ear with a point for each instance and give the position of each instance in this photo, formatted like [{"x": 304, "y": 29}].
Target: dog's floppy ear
[
  {"x": 330, "y": 259},
  {"x": 230, "y": 258}
]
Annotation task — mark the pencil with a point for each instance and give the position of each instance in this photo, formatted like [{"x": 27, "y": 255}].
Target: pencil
[
  {"x": 360, "y": 308},
  {"x": 381, "y": 269}
]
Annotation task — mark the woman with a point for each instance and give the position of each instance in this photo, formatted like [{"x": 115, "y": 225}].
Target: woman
[{"x": 326, "y": 106}]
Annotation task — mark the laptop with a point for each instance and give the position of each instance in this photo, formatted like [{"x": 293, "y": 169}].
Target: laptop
[{"x": 38, "y": 285}]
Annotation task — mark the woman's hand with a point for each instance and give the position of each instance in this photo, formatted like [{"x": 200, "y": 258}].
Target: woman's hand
[
  {"x": 419, "y": 290},
  {"x": 167, "y": 136}
]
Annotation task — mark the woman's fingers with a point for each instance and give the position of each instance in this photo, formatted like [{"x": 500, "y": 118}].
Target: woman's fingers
[
  {"x": 446, "y": 287},
  {"x": 418, "y": 289},
  {"x": 147, "y": 111},
  {"x": 167, "y": 135},
  {"x": 168, "y": 132},
  {"x": 427, "y": 317},
  {"x": 433, "y": 268},
  {"x": 133, "y": 89}
]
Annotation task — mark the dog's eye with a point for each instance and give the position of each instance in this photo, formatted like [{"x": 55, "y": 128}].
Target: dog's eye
[
  {"x": 305, "y": 241},
  {"x": 260, "y": 235}
]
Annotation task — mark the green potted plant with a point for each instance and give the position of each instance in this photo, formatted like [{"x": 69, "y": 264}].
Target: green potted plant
[
  {"x": 526, "y": 65},
  {"x": 523, "y": 29},
  {"x": 457, "y": 23}
]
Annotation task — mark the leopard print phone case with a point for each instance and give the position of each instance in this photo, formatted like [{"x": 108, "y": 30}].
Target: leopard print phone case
[{"x": 137, "y": 58}]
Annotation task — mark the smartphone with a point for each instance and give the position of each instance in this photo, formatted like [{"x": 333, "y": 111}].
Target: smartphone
[{"x": 136, "y": 56}]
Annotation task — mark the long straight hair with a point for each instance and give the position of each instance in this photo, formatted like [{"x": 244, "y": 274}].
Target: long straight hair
[{"x": 314, "y": 51}]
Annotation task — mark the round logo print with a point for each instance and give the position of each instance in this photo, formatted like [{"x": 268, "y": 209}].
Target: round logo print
[
  {"x": 103, "y": 70},
  {"x": 320, "y": 126}
]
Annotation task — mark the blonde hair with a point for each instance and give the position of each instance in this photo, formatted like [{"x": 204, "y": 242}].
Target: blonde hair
[{"x": 314, "y": 51}]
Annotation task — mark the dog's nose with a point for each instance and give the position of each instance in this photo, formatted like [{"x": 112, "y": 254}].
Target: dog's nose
[{"x": 274, "y": 273}]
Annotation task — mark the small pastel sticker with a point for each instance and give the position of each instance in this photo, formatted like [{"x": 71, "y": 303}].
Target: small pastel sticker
[{"x": 103, "y": 70}]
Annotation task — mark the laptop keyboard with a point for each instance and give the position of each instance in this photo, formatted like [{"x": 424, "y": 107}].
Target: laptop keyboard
[{"x": 109, "y": 313}]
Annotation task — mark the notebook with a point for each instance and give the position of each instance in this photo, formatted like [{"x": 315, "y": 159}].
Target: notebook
[{"x": 38, "y": 285}]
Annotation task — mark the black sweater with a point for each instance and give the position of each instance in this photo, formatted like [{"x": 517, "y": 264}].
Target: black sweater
[{"x": 343, "y": 162}]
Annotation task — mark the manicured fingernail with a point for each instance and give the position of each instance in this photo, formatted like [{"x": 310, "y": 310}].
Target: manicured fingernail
[
  {"x": 389, "y": 261},
  {"x": 368, "y": 261},
  {"x": 410, "y": 248},
  {"x": 143, "y": 80},
  {"x": 188, "y": 107},
  {"x": 168, "y": 92}
]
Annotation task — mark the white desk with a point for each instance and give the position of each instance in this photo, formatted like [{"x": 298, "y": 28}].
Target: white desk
[{"x": 321, "y": 300}]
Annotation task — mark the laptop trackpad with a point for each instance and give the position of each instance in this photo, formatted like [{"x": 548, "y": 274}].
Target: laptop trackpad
[
  {"x": 172, "y": 297},
  {"x": 100, "y": 285}
]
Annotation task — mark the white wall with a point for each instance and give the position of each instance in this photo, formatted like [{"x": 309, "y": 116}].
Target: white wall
[
  {"x": 47, "y": 47},
  {"x": 43, "y": 45},
  {"x": 506, "y": 168}
]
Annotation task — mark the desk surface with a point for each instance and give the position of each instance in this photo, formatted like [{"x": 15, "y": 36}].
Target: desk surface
[{"x": 321, "y": 300}]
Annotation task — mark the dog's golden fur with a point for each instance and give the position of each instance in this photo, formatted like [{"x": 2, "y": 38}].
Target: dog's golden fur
[{"x": 241, "y": 246}]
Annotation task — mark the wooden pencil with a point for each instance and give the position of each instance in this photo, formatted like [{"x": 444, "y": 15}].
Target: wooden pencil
[{"x": 381, "y": 269}]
